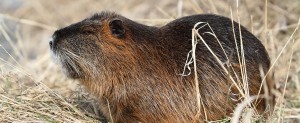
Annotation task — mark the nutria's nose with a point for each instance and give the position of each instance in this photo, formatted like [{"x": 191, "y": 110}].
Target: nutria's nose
[{"x": 53, "y": 41}]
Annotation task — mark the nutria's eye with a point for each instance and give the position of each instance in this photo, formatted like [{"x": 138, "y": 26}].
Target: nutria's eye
[{"x": 116, "y": 28}]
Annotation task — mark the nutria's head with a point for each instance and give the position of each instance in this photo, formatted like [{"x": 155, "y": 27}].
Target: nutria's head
[{"x": 85, "y": 48}]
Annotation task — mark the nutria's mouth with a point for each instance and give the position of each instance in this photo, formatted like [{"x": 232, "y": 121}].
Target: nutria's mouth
[
  {"x": 68, "y": 63},
  {"x": 70, "y": 71}
]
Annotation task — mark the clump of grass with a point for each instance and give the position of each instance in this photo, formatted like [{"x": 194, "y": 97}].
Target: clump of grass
[{"x": 37, "y": 102}]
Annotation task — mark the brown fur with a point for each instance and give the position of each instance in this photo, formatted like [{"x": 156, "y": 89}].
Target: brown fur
[{"x": 136, "y": 76}]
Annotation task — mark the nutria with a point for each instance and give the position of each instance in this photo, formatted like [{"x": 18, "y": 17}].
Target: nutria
[{"x": 142, "y": 73}]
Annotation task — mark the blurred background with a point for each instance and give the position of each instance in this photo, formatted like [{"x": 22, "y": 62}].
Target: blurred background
[{"x": 32, "y": 85}]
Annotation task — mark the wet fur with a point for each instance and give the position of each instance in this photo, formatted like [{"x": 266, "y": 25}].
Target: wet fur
[{"x": 137, "y": 77}]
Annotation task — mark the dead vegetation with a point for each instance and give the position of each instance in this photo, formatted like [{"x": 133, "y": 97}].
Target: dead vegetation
[{"x": 33, "y": 89}]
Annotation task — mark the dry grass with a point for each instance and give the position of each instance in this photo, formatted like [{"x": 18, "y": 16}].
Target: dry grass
[{"x": 32, "y": 88}]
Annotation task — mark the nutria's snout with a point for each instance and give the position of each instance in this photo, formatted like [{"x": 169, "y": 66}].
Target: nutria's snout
[
  {"x": 64, "y": 56},
  {"x": 55, "y": 38},
  {"x": 75, "y": 47},
  {"x": 52, "y": 42}
]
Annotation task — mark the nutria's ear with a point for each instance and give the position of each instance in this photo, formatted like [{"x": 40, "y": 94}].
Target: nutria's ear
[{"x": 116, "y": 28}]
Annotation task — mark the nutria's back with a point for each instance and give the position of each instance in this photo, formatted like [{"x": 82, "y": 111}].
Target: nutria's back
[{"x": 136, "y": 71}]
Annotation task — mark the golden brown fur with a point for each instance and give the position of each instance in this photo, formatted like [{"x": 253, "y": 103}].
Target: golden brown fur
[{"x": 135, "y": 70}]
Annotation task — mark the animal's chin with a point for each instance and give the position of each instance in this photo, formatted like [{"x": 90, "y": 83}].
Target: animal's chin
[{"x": 70, "y": 71}]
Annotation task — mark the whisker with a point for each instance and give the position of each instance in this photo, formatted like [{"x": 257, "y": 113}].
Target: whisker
[{"x": 84, "y": 64}]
